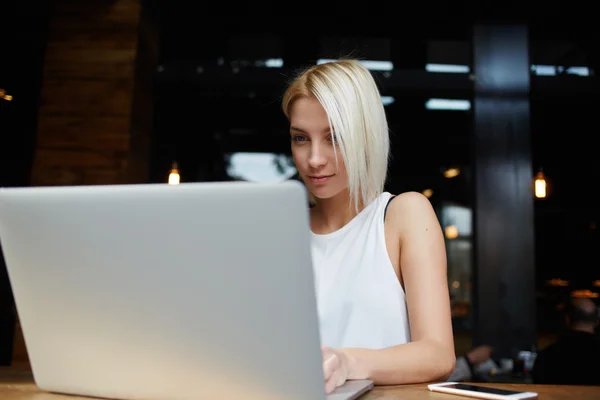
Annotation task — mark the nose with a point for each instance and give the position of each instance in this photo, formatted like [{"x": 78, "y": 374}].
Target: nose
[{"x": 317, "y": 157}]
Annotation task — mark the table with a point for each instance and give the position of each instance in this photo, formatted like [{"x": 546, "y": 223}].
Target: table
[{"x": 18, "y": 385}]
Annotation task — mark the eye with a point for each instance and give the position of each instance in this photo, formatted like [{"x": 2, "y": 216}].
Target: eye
[{"x": 299, "y": 138}]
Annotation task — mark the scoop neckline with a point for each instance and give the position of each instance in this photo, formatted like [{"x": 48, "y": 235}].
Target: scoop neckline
[{"x": 350, "y": 223}]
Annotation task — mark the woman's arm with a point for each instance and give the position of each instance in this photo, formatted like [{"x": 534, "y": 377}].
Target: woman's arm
[{"x": 430, "y": 355}]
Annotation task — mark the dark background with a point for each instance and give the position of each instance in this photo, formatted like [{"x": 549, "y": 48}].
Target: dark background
[{"x": 196, "y": 90}]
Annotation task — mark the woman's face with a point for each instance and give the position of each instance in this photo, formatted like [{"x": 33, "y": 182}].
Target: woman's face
[{"x": 313, "y": 149}]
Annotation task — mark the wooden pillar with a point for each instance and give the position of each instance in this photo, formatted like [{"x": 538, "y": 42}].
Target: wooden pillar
[
  {"x": 96, "y": 108},
  {"x": 94, "y": 112},
  {"x": 22, "y": 46},
  {"x": 504, "y": 275}
]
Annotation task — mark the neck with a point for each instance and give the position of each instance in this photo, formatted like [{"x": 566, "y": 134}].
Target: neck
[{"x": 333, "y": 213}]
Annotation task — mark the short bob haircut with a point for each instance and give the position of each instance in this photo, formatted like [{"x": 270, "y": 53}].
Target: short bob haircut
[{"x": 351, "y": 99}]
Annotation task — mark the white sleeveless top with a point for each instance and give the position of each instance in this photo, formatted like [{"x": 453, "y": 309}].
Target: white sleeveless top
[{"x": 360, "y": 300}]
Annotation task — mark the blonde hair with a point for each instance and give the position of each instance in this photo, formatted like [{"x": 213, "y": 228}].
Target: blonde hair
[{"x": 351, "y": 99}]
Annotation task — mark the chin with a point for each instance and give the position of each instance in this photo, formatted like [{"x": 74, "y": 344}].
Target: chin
[
  {"x": 320, "y": 196},
  {"x": 324, "y": 193}
]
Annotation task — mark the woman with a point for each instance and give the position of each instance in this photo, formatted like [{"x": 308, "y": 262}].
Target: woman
[{"x": 379, "y": 260}]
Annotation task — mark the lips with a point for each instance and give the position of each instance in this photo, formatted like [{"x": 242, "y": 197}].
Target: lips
[{"x": 320, "y": 178}]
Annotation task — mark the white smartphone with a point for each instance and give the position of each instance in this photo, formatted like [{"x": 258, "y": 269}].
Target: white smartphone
[{"x": 480, "y": 392}]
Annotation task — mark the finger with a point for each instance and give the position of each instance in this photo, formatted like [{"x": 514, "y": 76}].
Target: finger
[
  {"x": 325, "y": 352},
  {"x": 340, "y": 378},
  {"x": 330, "y": 364},
  {"x": 331, "y": 383},
  {"x": 337, "y": 379}
]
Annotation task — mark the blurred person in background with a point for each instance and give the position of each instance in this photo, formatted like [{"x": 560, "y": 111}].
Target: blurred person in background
[
  {"x": 573, "y": 358},
  {"x": 468, "y": 366}
]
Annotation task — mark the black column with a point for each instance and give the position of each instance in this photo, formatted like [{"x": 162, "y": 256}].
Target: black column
[{"x": 504, "y": 275}]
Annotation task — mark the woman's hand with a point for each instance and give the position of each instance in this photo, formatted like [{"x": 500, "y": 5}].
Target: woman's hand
[{"x": 335, "y": 368}]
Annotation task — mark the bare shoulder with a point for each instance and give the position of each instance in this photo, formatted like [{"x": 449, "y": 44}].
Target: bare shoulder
[
  {"x": 410, "y": 211},
  {"x": 410, "y": 203}
]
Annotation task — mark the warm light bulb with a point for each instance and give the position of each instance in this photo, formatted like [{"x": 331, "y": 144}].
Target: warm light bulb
[
  {"x": 174, "y": 175},
  {"x": 5, "y": 96},
  {"x": 451, "y": 172},
  {"x": 540, "y": 186},
  {"x": 584, "y": 294},
  {"x": 451, "y": 232},
  {"x": 428, "y": 193}
]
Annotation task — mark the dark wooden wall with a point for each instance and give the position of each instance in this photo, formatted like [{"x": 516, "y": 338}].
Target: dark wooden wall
[
  {"x": 95, "y": 110},
  {"x": 87, "y": 100},
  {"x": 22, "y": 54}
]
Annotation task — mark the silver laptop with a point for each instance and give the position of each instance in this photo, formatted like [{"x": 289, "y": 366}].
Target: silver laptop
[{"x": 158, "y": 292}]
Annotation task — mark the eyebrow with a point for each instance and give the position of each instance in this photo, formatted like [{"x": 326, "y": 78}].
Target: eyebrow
[{"x": 295, "y": 128}]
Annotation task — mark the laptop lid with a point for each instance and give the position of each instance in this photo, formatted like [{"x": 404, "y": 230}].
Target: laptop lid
[{"x": 200, "y": 290}]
